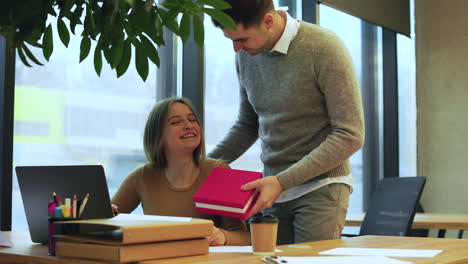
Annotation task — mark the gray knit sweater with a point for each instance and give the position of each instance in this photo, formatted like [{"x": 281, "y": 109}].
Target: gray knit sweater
[{"x": 304, "y": 106}]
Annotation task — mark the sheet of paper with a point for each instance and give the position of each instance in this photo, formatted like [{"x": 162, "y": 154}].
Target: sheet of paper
[
  {"x": 151, "y": 217},
  {"x": 410, "y": 253},
  {"x": 4, "y": 242},
  {"x": 333, "y": 260},
  {"x": 233, "y": 249}
]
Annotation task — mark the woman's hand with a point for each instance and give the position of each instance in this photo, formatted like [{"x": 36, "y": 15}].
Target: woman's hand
[
  {"x": 217, "y": 238},
  {"x": 115, "y": 209}
]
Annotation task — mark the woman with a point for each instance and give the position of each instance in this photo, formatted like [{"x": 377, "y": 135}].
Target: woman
[{"x": 176, "y": 168}]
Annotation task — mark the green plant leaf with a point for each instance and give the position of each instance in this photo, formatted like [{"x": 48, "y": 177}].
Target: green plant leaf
[
  {"x": 172, "y": 26},
  {"x": 126, "y": 57},
  {"x": 137, "y": 17},
  {"x": 225, "y": 20},
  {"x": 34, "y": 35},
  {"x": 185, "y": 27},
  {"x": 218, "y": 4},
  {"x": 117, "y": 52},
  {"x": 48, "y": 42},
  {"x": 65, "y": 8},
  {"x": 63, "y": 32},
  {"x": 34, "y": 44},
  {"x": 148, "y": 5},
  {"x": 85, "y": 47},
  {"x": 98, "y": 18},
  {"x": 108, "y": 56},
  {"x": 147, "y": 23},
  {"x": 158, "y": 26},
  {"x": 75, "y": 18},
  {"x": 156, "y": 32},
  {"x": 90, "y": 24},
  {"x": 98, "y": 61},
  {"x": 87, "y": 26},
  {"x": 169, "y": 20},
  {"x": 103, "y": 44},
  {"x": 30, "y": 54},
  {"x": 169, "y": 14},
  {"x": 198, "y": 31},
  {"x": 138, "y": 20},
  {"x": 51, "y": 10},
  {"x": 141, "y": 60},
  {"x": 150, "y": 49},
  {"x": 170, "y": 4},
  {"x": 23, "y": 57}
]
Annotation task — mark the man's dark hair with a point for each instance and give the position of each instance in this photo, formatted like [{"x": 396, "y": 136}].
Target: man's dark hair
[{"x": 247, "y": 12}]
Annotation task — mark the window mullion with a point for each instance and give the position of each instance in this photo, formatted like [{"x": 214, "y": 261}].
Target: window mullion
[{"x": 7, "y": 92}]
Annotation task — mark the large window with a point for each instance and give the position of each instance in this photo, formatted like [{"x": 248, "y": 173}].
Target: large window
[
  {"x": 222, "y": 89},
  {"x": 348, "y": 28},
  {"x": 65, "y": 114},
  {"x": 222, "y": 95}
]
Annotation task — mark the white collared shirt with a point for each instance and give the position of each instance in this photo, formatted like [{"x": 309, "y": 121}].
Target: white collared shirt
[{"x": 290, "y": 31}]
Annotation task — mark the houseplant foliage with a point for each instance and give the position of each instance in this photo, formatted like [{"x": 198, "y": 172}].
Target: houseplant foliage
[{"x": 119, "y": 28}]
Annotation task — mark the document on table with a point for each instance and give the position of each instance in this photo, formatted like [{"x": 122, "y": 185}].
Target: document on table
[
  {"x": 4, "y": 242},
  {"x": 333, "y": 260},
  {"x": 233, "y": 249},
  {"x": 135, "y": 217},
  {"x": 410, "y": 253}
]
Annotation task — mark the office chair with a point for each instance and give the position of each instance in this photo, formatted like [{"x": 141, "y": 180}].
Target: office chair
[{"x": 393, "y": 206}]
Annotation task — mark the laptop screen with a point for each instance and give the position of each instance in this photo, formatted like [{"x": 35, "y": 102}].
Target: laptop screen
[{"x": 37, "y": 183}]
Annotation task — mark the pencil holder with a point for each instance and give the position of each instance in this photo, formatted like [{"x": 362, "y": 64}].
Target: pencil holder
[{"x": 60, "y": 229}]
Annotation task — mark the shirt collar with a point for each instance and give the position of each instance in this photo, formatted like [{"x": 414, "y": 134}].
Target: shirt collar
[{"x": 290, "y": 31}]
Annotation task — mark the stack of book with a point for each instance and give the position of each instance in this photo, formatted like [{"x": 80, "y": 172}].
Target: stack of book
[{"x": 136, "y": 238}]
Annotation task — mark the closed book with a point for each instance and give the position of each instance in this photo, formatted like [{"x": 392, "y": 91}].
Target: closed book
[
  {"x": 220, "y": 193},
  {"x": 133, "y": 252},
  {"x": 131, "y": 229}
]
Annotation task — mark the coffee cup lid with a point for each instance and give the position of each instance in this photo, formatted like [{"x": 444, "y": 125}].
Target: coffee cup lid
[{"x": 259, "y": 218}]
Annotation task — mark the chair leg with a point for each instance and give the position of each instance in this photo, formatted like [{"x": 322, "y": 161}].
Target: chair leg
[
  {"x": 419, "y": 232},
  {"x": 441, "y": 233},
  {"x": 460, "y": 234}
]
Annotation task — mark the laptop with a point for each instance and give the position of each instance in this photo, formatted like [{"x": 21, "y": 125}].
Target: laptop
[{"x": 37, "y": 183}]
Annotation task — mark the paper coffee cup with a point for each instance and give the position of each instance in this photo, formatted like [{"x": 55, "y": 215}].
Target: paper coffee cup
[{"x": 263, "y": 231}]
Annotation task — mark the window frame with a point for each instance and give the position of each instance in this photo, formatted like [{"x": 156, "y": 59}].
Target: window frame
[{"x": 7, "y": 94}]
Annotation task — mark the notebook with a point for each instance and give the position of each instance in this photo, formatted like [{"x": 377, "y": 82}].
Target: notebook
[{"x": 37, "y": 183}]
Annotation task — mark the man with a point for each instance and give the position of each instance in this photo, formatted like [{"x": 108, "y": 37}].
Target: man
[{"x": 299, "y": 95}]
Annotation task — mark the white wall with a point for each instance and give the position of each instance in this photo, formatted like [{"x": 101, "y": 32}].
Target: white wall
[{"x": 442, "y": 103}]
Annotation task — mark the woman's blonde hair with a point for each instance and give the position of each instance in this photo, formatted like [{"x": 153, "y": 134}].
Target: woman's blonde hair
[{"x": 152, "y": 139}]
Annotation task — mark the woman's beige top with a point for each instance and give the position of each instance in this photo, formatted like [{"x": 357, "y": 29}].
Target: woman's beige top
[{"x": 150, "y": 187}]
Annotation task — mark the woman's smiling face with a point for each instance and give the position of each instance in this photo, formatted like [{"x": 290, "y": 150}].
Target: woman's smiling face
[{"x": 181, "y": 130}]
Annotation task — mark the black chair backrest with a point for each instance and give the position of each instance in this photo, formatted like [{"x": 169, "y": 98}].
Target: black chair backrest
[{"x": 392, "y": 207}]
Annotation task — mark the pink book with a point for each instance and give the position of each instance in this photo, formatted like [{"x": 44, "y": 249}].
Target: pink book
[{"x": 220, "y": 193}]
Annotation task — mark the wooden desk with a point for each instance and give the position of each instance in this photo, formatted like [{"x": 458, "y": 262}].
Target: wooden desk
[
  {"x": 454, "y": 251},
  {"x": 425, "y": 221},
  {"x": 24, "y": 251}
]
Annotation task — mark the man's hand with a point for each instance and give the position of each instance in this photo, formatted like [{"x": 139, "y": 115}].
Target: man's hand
[
  {"x": 269, "y": 188},
  {"x": 217, "y": 238}
]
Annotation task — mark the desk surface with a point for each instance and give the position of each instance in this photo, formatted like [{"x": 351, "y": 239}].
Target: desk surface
[
  {"x": 24, "y": 251},
  {"x": 454, "y": 250},
  {"x": 424, "y": 221}
]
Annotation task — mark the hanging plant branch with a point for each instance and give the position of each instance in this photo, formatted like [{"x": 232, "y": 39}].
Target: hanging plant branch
[{"x": 115, "y": 26}]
